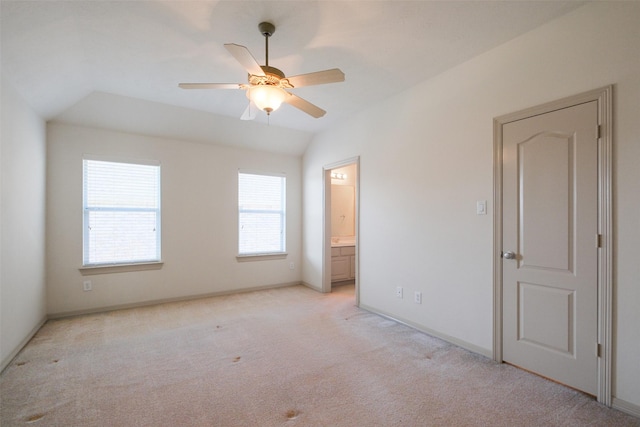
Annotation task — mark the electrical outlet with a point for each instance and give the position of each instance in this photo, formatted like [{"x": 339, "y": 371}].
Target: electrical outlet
[
  {"x": 86, "y": 285},
  {"x": 291, "y": 266},
  {"x": 417, "y": 297},
  {"x": 399, "y": 292}
]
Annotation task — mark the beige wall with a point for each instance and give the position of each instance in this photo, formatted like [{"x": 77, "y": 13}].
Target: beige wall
[
  {"x": 199, "y": 220},
  {"x": 426, "y": 158},
  {"x": 22, "y": 214}
]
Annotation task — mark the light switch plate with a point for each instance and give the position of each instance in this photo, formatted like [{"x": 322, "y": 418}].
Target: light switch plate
[{"x": 481, "y": 207}]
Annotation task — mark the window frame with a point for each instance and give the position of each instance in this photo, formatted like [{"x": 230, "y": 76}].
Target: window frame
[
  {"x": 245, "y": 256},
  {"x": 120, "y": 266}
]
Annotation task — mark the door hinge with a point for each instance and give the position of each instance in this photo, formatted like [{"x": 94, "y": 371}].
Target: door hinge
[
  {"x": 599, "y": 350},
  {"x": 598, "y": 240},
  {"x": 599, "y": 131}
]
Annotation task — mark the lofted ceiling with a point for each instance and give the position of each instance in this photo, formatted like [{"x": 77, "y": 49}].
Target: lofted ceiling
[{"x": 60, "y": 55}]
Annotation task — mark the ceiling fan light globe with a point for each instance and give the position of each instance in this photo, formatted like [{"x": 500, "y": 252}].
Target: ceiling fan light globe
[{"x": 268, "y": 98}]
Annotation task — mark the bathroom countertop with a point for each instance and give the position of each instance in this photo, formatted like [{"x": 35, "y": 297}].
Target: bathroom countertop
[{"x": 342, "y": 243}]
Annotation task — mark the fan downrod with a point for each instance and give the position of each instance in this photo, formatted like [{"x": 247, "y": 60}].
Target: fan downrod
[{"x": 267, "y": 29}]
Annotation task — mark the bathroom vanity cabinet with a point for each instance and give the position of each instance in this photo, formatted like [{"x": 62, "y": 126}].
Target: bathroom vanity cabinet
[{"x": 343, "y": 263}]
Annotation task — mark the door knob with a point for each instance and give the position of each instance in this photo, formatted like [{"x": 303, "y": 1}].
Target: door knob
[{"x": 509, "y": 255}]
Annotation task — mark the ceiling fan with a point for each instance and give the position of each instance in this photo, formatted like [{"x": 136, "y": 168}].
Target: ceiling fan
[{"x": 266, "y": 85}]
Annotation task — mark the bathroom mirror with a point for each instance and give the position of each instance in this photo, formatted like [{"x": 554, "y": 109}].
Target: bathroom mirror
[{"x": 343, "y": 210}]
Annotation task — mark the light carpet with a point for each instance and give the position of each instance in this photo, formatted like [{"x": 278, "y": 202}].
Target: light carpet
[{"x": 279, "y": 357}]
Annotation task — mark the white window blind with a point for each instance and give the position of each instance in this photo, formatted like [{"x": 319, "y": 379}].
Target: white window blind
[
  {"x": 261, "y": 214},
  {"x": 121, "y": 204}
]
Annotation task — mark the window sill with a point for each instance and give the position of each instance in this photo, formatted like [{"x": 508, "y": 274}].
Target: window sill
[
  {"x": 120, "y": 268},
  {"x": 261, "y": 257}
]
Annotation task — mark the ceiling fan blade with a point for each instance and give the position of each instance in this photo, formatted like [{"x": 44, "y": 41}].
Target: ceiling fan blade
[
  {"x": 244, "y": 57},
  {"x": 211, "y": 85},
  {"x": 304, "y": 105},
  {"x": 249, "y": 112},
  {"x": 334, "y": 75}
]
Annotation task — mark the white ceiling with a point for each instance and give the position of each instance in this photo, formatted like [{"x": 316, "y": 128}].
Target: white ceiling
[{"x": 57, "y": 53}]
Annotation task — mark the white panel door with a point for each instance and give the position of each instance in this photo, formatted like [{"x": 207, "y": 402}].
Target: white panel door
[{"x": 549, "y": 266}]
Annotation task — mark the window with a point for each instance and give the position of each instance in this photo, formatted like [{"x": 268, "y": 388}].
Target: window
[
  {"x": 261, "y": 214},
  {"x": 121, "y": 203}
]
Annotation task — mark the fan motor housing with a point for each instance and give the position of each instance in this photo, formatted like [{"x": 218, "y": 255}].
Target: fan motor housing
[
  {"x": 273, "y": 76},
  {"x": 272, "y": 71}
]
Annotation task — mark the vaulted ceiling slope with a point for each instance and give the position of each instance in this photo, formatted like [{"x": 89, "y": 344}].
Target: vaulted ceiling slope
[{"x": 57, "y": 53}]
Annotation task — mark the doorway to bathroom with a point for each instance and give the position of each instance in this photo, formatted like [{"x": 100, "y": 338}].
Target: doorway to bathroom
[{"x": 341, "y": 214}]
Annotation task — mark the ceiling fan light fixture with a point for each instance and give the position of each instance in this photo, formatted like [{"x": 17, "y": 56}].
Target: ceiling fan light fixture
[
  {"x": 266, "y": 88},
  {"x": 268, "y": 98}
]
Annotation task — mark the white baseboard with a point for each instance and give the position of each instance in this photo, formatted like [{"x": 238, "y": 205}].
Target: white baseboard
[
  {"x": 7, "y": 360},
  {"x": 311, "y": 286},
  {"x": 63, "y": 314},
  {"x": 445, "y": 337},
  {"x": 627, "y": 407}
]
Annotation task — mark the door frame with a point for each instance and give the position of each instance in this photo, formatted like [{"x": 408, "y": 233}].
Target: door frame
[
  {"x": 326, "y": 223},
  {"x": 604, "y": 98}
]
